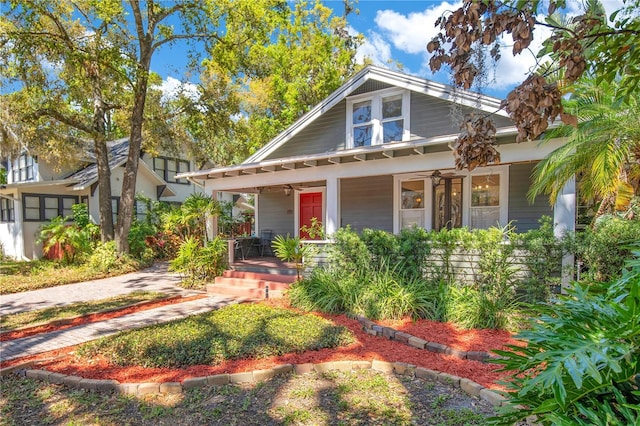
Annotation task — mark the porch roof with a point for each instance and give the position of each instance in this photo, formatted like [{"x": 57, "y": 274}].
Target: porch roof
[{"x": 361, "y": 154}]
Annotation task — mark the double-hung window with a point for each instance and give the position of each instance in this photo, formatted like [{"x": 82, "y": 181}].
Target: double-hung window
[
  {"x": 168, "y": 168},
  {"x": 22, "y": 168},
  {"x": 377, "y": 118},
  {"x": 6, "y": 210}
]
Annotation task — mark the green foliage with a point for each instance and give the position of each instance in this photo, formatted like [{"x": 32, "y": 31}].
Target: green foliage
[
  {"x": 105, "y": 257},
  {"x": 233, "y": 332},
  {"x": 544, "y": 256},
  {"x": 315, "y": 230},
  {"x": 190, "y": 219},
  {"x": 292, "y": 249},
  {"x": 604, "y": 248},
  {"x": 69, "y": 239},
  {"x": 3, "y": 176},
  {"x": 582, "y": 360},
  {"x": 600, "y": 149},
  {"x": 200, "y": 263},
  {"x": 377, "y": 294}
]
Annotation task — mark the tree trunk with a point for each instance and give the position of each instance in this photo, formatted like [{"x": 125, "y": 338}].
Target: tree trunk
[
  {"x": 102, "y": 156},
  {"x": 104, "y": 189},
  {"x": 125, "y": 215}
]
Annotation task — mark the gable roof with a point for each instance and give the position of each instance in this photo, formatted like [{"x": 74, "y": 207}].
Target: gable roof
[
  {"x": 118, "y": 151},
  {"x": 394, "y": 78}
]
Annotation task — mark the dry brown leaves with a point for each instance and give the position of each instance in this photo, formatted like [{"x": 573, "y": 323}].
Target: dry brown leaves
[
  {"x": 476, "y": 143},
  {"x": 533, "y": 104}
]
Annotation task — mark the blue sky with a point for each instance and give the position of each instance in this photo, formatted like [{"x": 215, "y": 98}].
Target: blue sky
[{"x": 396, "y": 32}]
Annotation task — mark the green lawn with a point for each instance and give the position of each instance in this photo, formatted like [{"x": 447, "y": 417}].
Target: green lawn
[
  {"x": 39, "y": 316},
  {"x": 233, "y": 332},
  {"x": 16, "y": 277}
]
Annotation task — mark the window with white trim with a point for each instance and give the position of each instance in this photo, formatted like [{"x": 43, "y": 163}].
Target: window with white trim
[
  {"x": 485, "y": 201},
  {"x": 377, "y": 119},
  {"x": 22, "y": 168},
  {"x": 477, "y": 200}
]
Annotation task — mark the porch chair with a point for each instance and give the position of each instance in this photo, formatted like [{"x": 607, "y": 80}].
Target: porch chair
[
  {"x": 264, "y": 242},
  {"x": 239, "y": 249}
]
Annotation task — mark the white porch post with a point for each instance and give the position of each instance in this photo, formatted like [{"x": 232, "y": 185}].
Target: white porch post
[
  {"x": 332, "y": 221},
  {"x": 564, "y": 219}
]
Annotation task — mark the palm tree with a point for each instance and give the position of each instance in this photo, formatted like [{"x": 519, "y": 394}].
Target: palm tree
[{"x": 603, "y": 151}]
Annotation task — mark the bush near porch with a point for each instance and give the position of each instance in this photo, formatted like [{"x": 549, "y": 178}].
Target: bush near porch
[{"x": 475, "y": 278}]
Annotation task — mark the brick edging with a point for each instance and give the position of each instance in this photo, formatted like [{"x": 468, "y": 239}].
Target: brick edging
[
  {"x": 139, "y": 389},
  {"x": 374, "y": 329}
]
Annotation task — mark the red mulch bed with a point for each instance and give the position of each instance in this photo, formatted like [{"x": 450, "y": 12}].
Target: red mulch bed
[
  {"x": 101, "y": 316},
  {"x": 458, "y": 338},
  {"x": 366, "y": 348}
]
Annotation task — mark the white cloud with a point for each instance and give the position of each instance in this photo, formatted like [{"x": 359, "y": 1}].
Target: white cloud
[
  {"x": 511, "y": 70},
  {"x": 171, "y": 88},
  {"x": 411, "y": 33},
  {"x": 374, "y": 48}
]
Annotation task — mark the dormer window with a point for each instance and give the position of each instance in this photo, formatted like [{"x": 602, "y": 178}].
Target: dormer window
[
  {"x": 377, "y": 119},
  {"x": 22, "y": 168}
]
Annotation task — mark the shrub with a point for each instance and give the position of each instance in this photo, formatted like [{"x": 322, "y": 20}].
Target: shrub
[
  {"x": 68, "y": 239},
  {"x": 581, "y": 364},
  {"x": 200, "y": 263},
  {"x": 348, "y": 252},
  {"x": 543, "y": 260},
  {"x": 414, "y": 246},
  {"x": 604, "y": 248},
  {"x": 105, "y": 257},
  {"x": 326, "y": 290},
  {"x": 233, "y": 332}
]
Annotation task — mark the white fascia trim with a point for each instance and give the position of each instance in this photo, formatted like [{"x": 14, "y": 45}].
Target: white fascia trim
[
  {"x": 388, "y": 147},
  {"x": 332, "y": 100},
  {"x": 18, "y": 185},
  {"x": 400, "y": 81}
]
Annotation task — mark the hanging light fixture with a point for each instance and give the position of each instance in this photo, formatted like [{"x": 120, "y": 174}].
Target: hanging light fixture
[
  {"x": 436, "y": 177},
  {"x": 287, "y": 190}
]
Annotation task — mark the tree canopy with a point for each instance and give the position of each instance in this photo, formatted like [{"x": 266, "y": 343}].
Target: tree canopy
[{"x": 81, "y": 70}]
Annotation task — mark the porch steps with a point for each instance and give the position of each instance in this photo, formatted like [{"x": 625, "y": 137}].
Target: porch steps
[{"x": 255, "y": 285}]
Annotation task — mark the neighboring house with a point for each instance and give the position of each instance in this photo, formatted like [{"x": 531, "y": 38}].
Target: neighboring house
[
  {"x": 377, "y": 154},
  {"x": 35, "y": 193}
]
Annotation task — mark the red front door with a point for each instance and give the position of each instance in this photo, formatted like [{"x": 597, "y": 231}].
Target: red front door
[{"x": 310, "y": 206}]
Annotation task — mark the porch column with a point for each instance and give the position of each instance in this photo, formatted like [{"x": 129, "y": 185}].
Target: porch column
[
  {"x": 212, "y": 220},
  {"x": 332, "y": 222},
  {"x": 564, "y": 219}
]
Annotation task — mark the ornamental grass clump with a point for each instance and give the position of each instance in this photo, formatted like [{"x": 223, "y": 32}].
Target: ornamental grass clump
[{"x": 233, "y": 332}]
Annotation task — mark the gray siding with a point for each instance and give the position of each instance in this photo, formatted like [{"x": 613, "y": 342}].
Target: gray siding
[
  {"x": 326, "y": 133},
  {"x": 524, "y": 214},
  {"x": 370, "y": 86},
  {"x": 431, "y": 117},
  {"x": 367, "y": 203},
  {"x": 275, "y": 212}
]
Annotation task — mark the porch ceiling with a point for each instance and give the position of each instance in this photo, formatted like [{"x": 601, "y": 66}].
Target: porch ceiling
[{"x": 362, "y": 154}]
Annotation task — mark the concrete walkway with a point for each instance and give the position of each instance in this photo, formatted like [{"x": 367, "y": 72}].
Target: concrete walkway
[
  {"x": 155, "y": 278},
  {"x": 84, "y": 333}
]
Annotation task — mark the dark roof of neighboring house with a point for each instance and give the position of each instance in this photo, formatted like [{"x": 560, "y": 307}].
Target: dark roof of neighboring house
[{"x": 118, "y": 151}]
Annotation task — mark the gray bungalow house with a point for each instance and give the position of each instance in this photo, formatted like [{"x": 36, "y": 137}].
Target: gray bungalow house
[
  {"x": 36, "y": 192},
  {"x": 377, "y": 154}
]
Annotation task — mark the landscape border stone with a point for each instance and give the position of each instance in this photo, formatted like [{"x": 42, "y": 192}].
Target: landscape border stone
[
  {"x": 140, "y": 389},
  {"x": 374, "y": 329}
]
